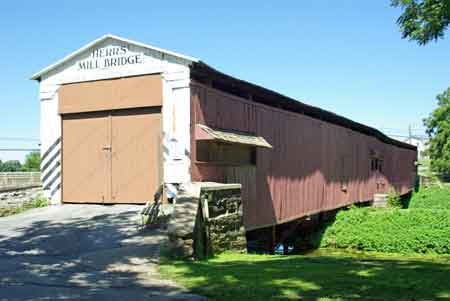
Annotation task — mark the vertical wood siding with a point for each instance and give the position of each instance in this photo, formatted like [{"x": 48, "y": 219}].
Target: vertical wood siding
[{"x": 310, "y": 163}]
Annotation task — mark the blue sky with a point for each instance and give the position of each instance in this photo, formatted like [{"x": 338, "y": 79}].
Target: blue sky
[{"x": 344, "y": 56}]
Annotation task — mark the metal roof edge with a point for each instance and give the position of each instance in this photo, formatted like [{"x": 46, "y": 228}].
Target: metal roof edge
[
  {"x": 58, "y": 63},
  {"x": 293, "y": 105}
]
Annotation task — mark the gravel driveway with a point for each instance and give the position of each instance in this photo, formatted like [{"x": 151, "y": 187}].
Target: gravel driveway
[{"x": 82, "y": 252}]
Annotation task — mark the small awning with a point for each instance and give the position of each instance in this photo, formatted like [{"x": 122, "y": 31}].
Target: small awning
[{"x": 203, "y": 132}]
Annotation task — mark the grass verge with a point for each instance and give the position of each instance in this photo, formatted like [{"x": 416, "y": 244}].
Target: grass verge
[
  {"x": 26, "y": 206},
  {"x": 388, "y": 230},
  {"x": 324, "y": 275},
  {"x": 432, "y": 197}
]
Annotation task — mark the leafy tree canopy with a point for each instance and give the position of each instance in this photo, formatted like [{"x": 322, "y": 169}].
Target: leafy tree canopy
[
  {"x": 32, "y": 162},
  {"x": 423, "y": 20},
  {"x": 10, "y": 166},
  {"x": 438, "y": 129}
]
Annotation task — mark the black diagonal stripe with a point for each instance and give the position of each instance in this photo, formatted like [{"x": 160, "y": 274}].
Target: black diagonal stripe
[
  {"x": 49, "y": 150},
  {"x": 53, "y": 180},
  {"x": 49, "y": 162},
  {"x": 50, "y": 172},
  {"x": 55, "y": 190}
]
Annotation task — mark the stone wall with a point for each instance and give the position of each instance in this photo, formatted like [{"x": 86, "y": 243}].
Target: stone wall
[
  {"x": 207, "y": 220},
  {"x": 224, "y": 222},
  {"x": 16, "y": 198},
  {"x": 380, "y": 200},
  {"x": 226, "y": 232},
  {"x": 181, "y": 227},
  {"x": 16, "y": 180}
]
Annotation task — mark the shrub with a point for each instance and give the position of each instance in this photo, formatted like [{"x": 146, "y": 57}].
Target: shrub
[
  {"x": 10, "y": 166},
  {"x": 38, "y": 203},
  {"x": 394, "y": 200},
  {"x": 32, "y": 162},
  {"x": 432, "y": 197},
  {"x": 390, "y": 230}
]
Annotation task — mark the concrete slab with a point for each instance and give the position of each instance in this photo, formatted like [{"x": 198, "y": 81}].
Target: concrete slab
[{"x": 82, "y": 252}]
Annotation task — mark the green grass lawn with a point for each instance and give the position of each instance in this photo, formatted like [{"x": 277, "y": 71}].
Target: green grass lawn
[
  {"x": 434, "y": 197},
  {"x": 407, "y": 231},
  {"x": 324, "y": 275}
]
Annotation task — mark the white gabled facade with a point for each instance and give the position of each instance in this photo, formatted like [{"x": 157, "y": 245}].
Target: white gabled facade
[{"x": 118, "y": 58}]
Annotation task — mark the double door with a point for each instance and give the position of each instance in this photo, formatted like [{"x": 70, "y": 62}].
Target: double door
[{"x": 111, "y": 156}]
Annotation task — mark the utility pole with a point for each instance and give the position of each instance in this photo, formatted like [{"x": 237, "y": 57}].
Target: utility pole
[{"x": 410, "y": 134}]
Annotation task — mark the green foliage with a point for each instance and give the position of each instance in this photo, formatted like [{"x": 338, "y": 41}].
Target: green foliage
[
  {"x": 38, "y": 203},
  {"x": 423, "y": 20},
  {"x": 428, "y": 176},
  {"x": 324, "y": 275},
  {"x": 32, "y": 162},
  {"x": 434, "y": 197},
  {"x": 10, "y": 166},
  {"x": 438, "y": 129},
  {"x": 390, "y": 230},
  {"x": 394, "y": 200}
]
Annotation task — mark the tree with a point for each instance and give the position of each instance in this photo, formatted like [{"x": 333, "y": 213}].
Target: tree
[
  {"x": 423, "y": 20},
  {"x": 32, "y": 162},
  {"x": 10, "y": 166},
  {"x": 438, "y": 129}
]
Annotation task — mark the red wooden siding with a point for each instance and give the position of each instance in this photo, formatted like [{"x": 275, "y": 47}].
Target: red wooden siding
[{"x": 310, "y": 163}]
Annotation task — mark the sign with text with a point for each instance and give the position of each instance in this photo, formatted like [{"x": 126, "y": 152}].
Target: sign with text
[{"x": 108, "y": 57}]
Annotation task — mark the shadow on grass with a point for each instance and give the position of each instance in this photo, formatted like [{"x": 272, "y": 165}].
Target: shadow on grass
[
  {"x": 406, "y": 199},
  {"x": 254, "y": 277}
]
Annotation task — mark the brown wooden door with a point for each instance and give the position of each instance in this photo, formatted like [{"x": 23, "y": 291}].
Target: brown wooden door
[
  {"x": 136, "y": 144},
  {"x": 111, "y": 157},
  {"x": 86, "y": 158}
]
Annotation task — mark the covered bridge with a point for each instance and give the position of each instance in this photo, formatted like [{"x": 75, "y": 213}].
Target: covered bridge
[{"x": 120, "y": 118}]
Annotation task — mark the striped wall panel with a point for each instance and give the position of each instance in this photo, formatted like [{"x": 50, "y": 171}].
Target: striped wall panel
[{"x": 51, "y": 168}]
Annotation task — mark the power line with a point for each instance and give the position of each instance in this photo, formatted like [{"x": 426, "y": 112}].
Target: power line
[
  {"x": 407, "y": 136},
  {"x": 19, "y": 149},
  {"x": 19, "y": 139},
  {"x": 403, "y": 129}
]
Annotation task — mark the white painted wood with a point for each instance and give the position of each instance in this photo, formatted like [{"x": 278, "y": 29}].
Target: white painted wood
[
  {"x": 175, "y": 72},
  {"x": 176, "y": 119},
  {"x": 94, "y": 43},
  {"x": 152, "y": 62},
  {"x": 50, "y": 132}
]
